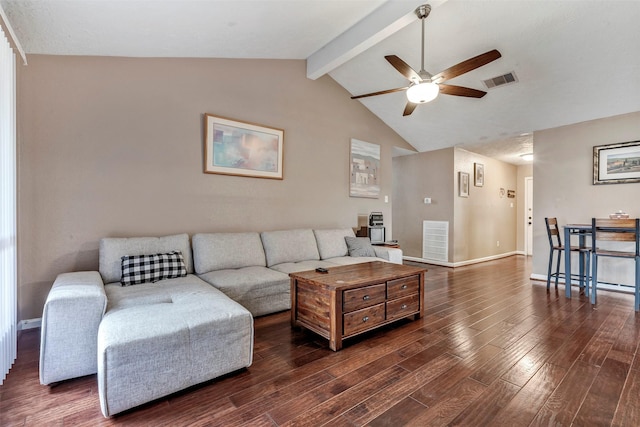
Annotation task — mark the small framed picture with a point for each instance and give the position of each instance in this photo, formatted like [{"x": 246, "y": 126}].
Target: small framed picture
[
  {"x": 463, "y": 184},
  {"x": 364, "y": 170},
  {"x": 478, "y": 174}
]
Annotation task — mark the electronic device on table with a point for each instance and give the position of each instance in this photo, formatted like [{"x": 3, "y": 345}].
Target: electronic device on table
[
  {"x": 376, "y": 227},
  {"x": 375, "y": 219}
]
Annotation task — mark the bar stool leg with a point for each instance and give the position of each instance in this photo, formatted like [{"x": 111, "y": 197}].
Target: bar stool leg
[
  {"x": 558, "y": 268},
  {"x": 586, "y": 273},
  {"x": 549, "y": 268},
  {"x": 637, "y": 299},
  {"x": 594, "y": 278}
]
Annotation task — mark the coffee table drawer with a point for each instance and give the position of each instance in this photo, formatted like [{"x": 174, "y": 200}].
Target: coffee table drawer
[
  {"x": 402, "y": 307},
  {"x": 400, "y": 287},
  {"x": 363, "y": 319},
  {"x": 367, "y": 296}
]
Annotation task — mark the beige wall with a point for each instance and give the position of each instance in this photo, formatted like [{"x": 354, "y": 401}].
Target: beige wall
[
  {"x": 485, "y": 217},
  {"x": 476, "y": 223},
  {"x": 524, "y": 171},
  {"x": 114, "y": 146},
  {"x": 415, "y": 177},
  {"x": 563, "y": 186}
]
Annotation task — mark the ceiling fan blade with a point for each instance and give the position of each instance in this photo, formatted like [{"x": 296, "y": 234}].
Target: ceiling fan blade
[
  {"x": 466, "y": 66},
  {"x": 382, "y": 92},
  {"x": 461, "y": 91},
  {"x": 403, "y": 68},
  {"x": 409, "y": 108}
]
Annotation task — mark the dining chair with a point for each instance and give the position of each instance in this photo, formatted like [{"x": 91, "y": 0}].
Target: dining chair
[
  {"x": 615, "y": 230},
  {"x": 555, "y": 245}
]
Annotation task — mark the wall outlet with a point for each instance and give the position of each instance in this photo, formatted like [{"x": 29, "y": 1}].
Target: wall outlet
[
  {"x": 386, "y": 199},
  {"x": 498, "y": 243}
]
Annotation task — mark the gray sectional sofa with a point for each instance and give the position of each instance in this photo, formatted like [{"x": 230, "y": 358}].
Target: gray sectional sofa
[
  {"x": 253, "y": 268},
  {"x": 148, "y": 340}
]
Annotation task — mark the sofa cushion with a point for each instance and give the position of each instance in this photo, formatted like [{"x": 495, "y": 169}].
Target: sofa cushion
[
  {"x": 360, "y": 246},
  {"x": 331, "y": 243},
  {"x": 289, "y": 246},
  {"x": 112, "y": 249},
  {"x": 138, "y": 269},
  {"x": 178, "y": 333},
  {"x": 259, "y": 289},
  {"x": 221, "y": 251}
]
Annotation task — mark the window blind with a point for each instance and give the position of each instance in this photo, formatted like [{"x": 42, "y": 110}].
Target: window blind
[{"x": 8, "y": 188}]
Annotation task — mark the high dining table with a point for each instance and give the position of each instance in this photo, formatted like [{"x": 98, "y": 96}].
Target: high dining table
[{"x": 582, "y": 230}]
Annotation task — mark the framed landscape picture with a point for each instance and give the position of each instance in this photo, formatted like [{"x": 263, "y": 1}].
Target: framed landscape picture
[
  {"x": 616, "y": 163},
  {"x": 239, "y": 148},
  {"x": 364, "y": 170}
]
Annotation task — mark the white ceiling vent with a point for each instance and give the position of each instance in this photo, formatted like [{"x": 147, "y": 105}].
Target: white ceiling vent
[{"x": 502, "y": 80}]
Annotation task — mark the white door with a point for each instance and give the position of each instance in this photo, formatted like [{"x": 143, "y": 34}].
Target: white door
[{"x": 528, "y": 215}]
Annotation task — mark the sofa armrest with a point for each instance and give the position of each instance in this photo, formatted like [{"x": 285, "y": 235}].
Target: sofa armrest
[
  {"x": 69, "y": 334},
  {"x": 393, "y": 255}
]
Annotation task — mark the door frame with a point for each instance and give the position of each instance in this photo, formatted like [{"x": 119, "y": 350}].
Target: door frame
[{"x": 527, "y": 197}]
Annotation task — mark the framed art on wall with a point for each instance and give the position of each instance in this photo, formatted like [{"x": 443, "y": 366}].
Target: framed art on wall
[
  {"x": 239, "y": 148},
  {"x": 364, "y": 170},
  {"x": 616, "y": 163},
  {"x": 478, "y": 174},
  {"x": 463, "y": 184}
]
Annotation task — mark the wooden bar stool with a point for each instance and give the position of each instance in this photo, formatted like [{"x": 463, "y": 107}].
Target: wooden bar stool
[
  {"x": 615, "y": 230},
  {"x": 555, "y": 245}
]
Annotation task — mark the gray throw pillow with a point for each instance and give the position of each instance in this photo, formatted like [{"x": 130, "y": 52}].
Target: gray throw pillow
[{"x": 359, "y": 246}]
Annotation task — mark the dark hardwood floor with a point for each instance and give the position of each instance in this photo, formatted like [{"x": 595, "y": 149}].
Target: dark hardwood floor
[{"x": 494, "y": 348}]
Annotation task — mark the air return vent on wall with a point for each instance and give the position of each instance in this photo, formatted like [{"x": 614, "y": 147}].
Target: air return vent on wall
[{"x": 502, "y": 80}]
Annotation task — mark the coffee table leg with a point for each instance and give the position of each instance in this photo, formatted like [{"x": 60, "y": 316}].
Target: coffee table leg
[
  {"x": 293, "y": 302},
  {"x": 335, "y": 314}
]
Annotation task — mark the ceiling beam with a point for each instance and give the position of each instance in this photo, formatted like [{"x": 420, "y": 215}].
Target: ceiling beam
[{"x": 389, "y": 18}]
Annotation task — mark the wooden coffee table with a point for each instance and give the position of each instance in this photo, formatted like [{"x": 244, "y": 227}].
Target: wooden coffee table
[{"x": 352, "y": 299}]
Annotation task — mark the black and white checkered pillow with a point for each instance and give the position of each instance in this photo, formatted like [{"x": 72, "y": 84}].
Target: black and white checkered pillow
[{"x": 151, "y": 268}]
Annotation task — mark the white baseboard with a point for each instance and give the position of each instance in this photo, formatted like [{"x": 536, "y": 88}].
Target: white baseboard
[
  {"x": 601, "y": 286},
  {"x": 427, "y": 261},
  {"x": 461, "y": 263},
  {"x": 29, "y": 324}
]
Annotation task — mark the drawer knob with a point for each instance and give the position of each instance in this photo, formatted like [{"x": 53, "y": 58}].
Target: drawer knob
[
  {"x": 403, "y": 306},
  {"x": 404, "y": 286},
  {"x": 366, "y": 297},
  {"x": 365, "y": 318}
]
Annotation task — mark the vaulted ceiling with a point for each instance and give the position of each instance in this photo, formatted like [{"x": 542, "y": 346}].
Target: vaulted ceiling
[{"x": 574, "y": 60}]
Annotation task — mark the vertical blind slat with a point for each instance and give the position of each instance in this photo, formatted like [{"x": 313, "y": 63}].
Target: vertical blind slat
[{"x": 8, "y": 240}]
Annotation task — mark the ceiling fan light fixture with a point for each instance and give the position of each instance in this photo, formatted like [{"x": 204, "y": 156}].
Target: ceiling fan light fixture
[{"x": 422, "y": 92}]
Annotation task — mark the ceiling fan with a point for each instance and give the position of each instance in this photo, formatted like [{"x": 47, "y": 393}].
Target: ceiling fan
[{"x": 425, "y": 87}]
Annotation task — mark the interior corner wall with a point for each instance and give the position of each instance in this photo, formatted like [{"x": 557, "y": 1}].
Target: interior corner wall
[
  {"x": 524, "y": 171},
  {"x": 563, "y": 187},
  {"x": 415, "y": 177},
  {"x": 476, "y": 222},
  {"x": 114, "y": 147},
  {"x": 485, "y": 222}
]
